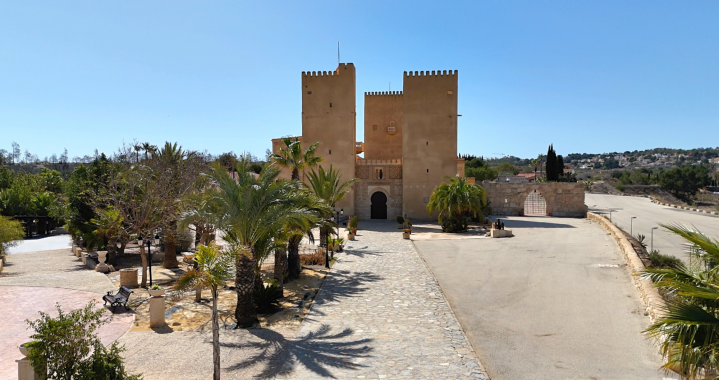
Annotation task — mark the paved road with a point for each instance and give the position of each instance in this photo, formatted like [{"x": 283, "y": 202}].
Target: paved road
[
  {"x": 649, "y": 215},
  {"x": 553, "y": 302}
]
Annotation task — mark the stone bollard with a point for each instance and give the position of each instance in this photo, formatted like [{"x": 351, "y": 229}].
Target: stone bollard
[
  {"x": 157, "y": 310},
  {"x": 83, "y": 257},
  {"x": 24, "y": 368},
  {"x": 128, "y": 277}
]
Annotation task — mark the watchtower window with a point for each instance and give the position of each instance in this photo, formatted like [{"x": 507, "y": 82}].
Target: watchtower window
[
  {"x": 427, "y": 143},
  {"x": 450, "y": 92},
  {"x": 309, "y": 92},
  {"x": 330, "y": 105},
  {"x": 330, "y": 151},
  {"x": 427, "y": 170},
  {"x": 378, "y": 173}
]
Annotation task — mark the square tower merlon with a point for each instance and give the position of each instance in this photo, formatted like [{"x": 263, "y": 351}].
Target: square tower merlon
[
  {"x": 329, "y": 117},
  {"x": 429, "y": 136},
  {"x": 383, "y": 125}
]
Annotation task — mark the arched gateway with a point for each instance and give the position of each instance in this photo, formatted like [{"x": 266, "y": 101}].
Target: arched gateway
[
  {"x": 535, "y": 205},
  {"x": 379, "y": 205}
]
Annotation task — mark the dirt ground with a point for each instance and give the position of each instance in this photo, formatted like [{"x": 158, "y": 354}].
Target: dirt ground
[{"x": 182, "y": 313}]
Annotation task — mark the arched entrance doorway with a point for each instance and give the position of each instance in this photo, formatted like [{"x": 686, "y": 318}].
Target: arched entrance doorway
[
  {"x": 535, "y": 205},
  {"x": 379, "y": 205}
]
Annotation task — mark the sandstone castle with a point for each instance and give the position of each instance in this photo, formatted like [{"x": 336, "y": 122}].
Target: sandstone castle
[{"x": 410, "y": 138}]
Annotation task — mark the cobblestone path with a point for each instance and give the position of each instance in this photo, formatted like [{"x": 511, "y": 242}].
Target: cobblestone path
[{"x": 380, "y": 314}]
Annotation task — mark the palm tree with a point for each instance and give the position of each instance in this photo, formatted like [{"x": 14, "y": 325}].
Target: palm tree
[
  {"x": 149, "y": 149},
  {"x": 457, "y": 198},
  {"x": 535, "y": 163},
  {"x": 328, "y": 186},
  {"x": 251, "y": 209},
  {"x": 689, "y": 328},
  {"x": 213, "y": 271},
  {"x": 181, "y": 168},
  {"x": 293, "y": 157}
]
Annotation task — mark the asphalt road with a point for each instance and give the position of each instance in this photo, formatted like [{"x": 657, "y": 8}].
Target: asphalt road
[
  {"x": 553, "y": 302},
  {"x": 649, "y": 215}
]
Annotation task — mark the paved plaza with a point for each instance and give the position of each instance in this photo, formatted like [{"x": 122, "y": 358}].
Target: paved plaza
[
  {"x": 554, "y": 302},
  {"x": 380, "y": 314}
]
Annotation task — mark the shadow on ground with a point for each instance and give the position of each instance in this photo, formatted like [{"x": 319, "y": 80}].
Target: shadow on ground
[
  {"x": 319, "y": 351},
  {"x": 509, "y": 223}
]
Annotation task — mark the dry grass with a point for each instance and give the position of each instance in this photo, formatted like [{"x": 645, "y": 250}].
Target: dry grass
[{"x": 316, "y": 258}]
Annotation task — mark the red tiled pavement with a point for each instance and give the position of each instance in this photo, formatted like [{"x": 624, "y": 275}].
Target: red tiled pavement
[{"x": 18, "y": 303}]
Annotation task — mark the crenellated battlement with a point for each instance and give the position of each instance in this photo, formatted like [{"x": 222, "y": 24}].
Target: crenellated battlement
[
  {"x": 433, "y": 73},
  {"x": 378, "y": 161},
  {"x": 383, "y": 93},
  {"x": 318, "y": 73},
  {"x": 342, "y": 66}
]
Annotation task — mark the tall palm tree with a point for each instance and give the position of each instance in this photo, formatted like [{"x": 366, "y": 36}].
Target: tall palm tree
[
  {"x": 213, "y": 271},
  {"x": 689, "y": 328},
  {"x": 456, "y": 199},
  {"x": 182, "y": 171},
  {"x": 293, "y": 157},
  {"x": 252, "y": 208},
  {"x": 328, "y": 186},
  {"x": 149, "y": 149},
  {"x": 535, "y": 163}
]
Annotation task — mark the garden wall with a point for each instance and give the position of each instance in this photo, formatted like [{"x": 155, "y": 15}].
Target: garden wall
[{"x": 562, "y": 198}]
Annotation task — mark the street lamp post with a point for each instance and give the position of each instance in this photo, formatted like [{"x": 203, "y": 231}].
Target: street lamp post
[
  {"x": 652, "y": 246},
  {"x": 149, "y": 241},
  {"x": 631, "y": 225}
]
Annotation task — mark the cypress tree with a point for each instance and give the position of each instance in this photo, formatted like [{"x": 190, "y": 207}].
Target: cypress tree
[
  {"x": 560, "y": 165},
  {"x": 552, "y": 174}
]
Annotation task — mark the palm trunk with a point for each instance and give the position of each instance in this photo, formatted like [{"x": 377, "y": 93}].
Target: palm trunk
[
  {"x": 111, "y": 248},
  {"x": 143, "y": 256},
  {"x": 280, "y": 267},
  {"x": 170, "y": 242},
  {"x": 293, "y": 258},
  {"x": 215, "y": 338},
  {"x": 245, "y": 312},
  {"x": 295, "y": 174}
]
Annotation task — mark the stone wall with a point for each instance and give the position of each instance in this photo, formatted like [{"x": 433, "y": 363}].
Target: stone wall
[{"x": 562, "y": 198}]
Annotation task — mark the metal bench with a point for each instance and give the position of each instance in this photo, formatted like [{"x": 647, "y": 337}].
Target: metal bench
[{"x": 118, "y": 299}]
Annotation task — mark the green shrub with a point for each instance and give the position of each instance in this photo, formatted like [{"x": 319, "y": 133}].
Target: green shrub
[
  {"x": 400, "y": 220},
  {"x": 641, "y": 239},
  {"x": 62, "y": 345},
  {"x": 663, "y": 261},
  {"x": 620, "y": 187},
  {"x": 106, "y": 364},
  {"x": 11, "y": 232},
  {"x": 353, "y": 224},
  {"x": 267, "y": 298},
  {"x": 452, "y": 225}
]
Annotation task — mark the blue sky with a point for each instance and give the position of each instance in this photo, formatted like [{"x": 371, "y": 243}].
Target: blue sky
[{"x": 588, "y": 76}]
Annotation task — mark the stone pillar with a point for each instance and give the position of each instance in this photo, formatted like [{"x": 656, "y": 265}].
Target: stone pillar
[
  {"x": 128, "y": 277},
  {"x": 25, "y": 370},
  {"x": 157, "y": 311}
]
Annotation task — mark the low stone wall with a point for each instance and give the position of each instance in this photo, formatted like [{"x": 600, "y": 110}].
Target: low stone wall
[
  {"x": 562, "y": 198},
  {"x": 653, "y": 301}
]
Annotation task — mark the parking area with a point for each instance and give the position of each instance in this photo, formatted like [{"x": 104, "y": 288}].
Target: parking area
[{"x": 554, "y": 302}]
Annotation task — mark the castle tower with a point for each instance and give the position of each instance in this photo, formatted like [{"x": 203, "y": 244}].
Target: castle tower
[
  {"x": 329, "y": 117},
  {"x": 383, "y": 125},
  {"x": 429, "y": 136}
]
